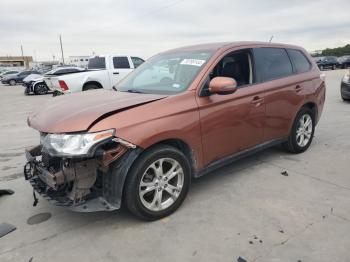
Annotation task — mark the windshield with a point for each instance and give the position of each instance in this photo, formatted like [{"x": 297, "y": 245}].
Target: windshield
[{"x": 165, "y": 73}]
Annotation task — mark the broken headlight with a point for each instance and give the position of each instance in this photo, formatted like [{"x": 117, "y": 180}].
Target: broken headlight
[{"x": 79, "y": 144}]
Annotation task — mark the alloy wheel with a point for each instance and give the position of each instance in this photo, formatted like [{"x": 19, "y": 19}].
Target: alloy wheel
[
  {"x": 304, "y": 130},
  {"x": 161, "y": 184},
  {"x": 41, "y": 89}
]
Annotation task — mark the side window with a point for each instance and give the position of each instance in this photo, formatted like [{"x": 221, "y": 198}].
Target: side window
[
  {"x": 300, "y": 62},
  {"x": 121, "y": 62},
  {"x": 271, "y": 63},
  {"x": 137, "y": 61},
  {"x": 237, "y": 65}
]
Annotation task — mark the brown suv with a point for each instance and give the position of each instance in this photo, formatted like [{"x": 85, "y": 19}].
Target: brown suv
[{"x": 181, "y": 114}]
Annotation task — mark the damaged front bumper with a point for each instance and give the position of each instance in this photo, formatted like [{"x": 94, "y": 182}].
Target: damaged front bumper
[{"x": 83, "y": 185}]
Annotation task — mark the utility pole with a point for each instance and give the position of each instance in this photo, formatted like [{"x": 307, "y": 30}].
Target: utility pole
[
  {"x": 62, "y": 50},
  {"x": 24, "y": 62},
  {"x": 271, "y": 39}
]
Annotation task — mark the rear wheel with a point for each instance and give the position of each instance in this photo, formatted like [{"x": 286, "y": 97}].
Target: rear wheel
[
  {"x": 302, "y": 132},
  {"x": 158, "y": 183},
  {"x": 321, "y": 67},
  {"x": 40, "y": 89},
  {"x": 334, "y": 67},
  {"x": 90, "y": 87},
  {"x": 12, "y": 82}
]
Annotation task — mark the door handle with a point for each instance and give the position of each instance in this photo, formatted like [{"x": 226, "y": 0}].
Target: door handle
[
  {"x": 298, "y": 88},
  {"x": 257, "y": 100},
  {"x": 115, "y": 73}
]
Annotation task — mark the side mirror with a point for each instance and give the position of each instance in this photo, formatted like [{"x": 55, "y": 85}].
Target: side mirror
[{"x": 222, "y": 85}]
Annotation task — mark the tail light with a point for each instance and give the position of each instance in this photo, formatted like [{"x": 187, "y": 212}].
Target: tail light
[{"x": 63, "y": 85}]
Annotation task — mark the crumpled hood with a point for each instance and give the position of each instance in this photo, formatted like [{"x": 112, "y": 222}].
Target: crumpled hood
[{"x": 79, "y": 111}]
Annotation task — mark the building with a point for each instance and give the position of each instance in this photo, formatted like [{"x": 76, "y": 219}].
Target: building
[
  {"x": 16, "y": 61},
  {"x": 80, "y": 61}
]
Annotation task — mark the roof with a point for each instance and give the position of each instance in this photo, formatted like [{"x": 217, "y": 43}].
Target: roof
[{"x": 216, "y": 46}]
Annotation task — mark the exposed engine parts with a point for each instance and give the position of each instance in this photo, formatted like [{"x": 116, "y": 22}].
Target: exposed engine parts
[{"x": 71, "y": 181}]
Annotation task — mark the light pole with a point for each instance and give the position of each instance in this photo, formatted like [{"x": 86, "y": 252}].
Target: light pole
[{"x": 62, "y": 50}]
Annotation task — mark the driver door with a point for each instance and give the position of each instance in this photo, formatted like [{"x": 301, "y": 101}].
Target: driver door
[{"x": 233, "y": 122}]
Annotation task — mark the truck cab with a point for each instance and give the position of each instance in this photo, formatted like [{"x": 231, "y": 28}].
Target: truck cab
[{"x": 103, "y": 71}]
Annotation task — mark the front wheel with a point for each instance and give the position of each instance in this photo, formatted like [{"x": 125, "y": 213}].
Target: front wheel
[
  {"x": 12, "y": 82},
  {"x": 157, "y": 183},
  {"x": 334, "y": 67},
  {"x": 302, "y": 132},
  {"x": 40, "y": 89}
]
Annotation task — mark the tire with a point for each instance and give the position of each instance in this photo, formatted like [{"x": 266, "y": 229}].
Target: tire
[
  {"x": 294, "y": 143},
  {"x": 40, "y": 89},
  {"x": 345, "y": 98},
  {"x": 334, "y": 67},
  {"x": 90, "y": 87},
  {"x": 12, "y": 82},
  {"x": 141, "y": 200},
  {"x": 26, "y": 91}
]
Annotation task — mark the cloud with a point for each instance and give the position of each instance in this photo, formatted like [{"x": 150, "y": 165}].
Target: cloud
[{"x": 146, "y": 27}]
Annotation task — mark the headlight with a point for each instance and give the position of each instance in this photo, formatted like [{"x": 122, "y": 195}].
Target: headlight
[
  {"x": 73, "y": 144},
  {"x": 346, "y": 78}
]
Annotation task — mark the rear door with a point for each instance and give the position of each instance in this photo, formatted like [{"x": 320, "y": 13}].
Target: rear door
[
  {"x": 283, "y": 90},
  {"x": 121, "y": 67}
]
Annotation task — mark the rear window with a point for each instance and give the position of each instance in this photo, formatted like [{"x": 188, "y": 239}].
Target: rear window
[
  {"x": 121, "y": 62},
  {"x": 97, "y": 63},
  {"x": 271, "y": 63},
  {"x": 300, "y": 62}
]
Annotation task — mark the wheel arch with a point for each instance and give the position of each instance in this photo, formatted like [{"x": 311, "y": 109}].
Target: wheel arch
[
  {"x": 313, "y": 106},
  {"x": 308, "y": 104},
  {"x": 183, "y": 147},
  {"x": 92, "y": 83}
]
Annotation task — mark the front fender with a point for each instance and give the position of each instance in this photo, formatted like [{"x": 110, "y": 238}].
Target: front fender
[{"x": 113, "y": 182}]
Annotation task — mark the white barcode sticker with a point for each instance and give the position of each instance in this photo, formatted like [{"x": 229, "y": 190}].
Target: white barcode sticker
[{"x": 194, "y": 62}]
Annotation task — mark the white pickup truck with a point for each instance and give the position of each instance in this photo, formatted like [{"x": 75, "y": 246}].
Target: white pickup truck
[{"x": 103, "y": 71}]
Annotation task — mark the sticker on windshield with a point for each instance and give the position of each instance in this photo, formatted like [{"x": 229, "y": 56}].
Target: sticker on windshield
[
  {"x": 194, "y": 62},
  {"x": 176, "y": 85}
]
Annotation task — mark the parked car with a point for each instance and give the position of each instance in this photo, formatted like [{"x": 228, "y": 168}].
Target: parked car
[
  {"x": 345, "y": 87},
  {"x": 103, "y": 72},
  {"x": 6, "y": 73},
  {"x": 142, "y": 144},
  {"x": 328, "y": 62},
  {"x": 344, "y": 61},
  {"x": 13, "y": 79},
  {"x": 36, "y": 84}
]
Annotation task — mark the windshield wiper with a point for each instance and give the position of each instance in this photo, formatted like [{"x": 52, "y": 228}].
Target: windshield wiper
[{"x": 134, "y": 91}]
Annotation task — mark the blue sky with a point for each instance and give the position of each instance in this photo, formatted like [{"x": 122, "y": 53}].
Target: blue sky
[{"x": 146, "y": 27}]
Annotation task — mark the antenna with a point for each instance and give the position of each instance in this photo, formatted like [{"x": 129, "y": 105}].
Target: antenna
[{"x": 271, "y": 39}]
